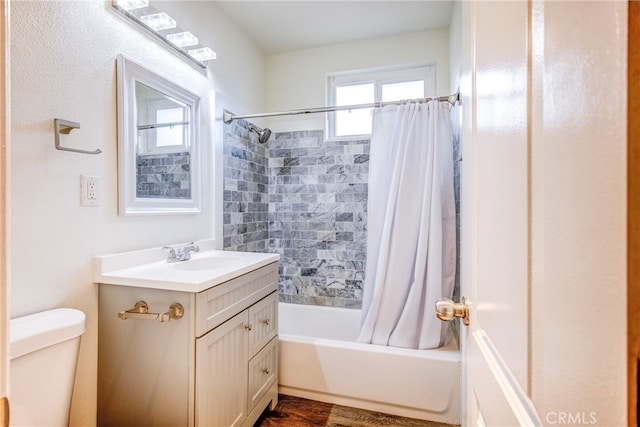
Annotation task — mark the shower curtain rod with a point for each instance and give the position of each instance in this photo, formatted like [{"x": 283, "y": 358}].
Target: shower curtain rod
[{"x": 228, "y": 118}]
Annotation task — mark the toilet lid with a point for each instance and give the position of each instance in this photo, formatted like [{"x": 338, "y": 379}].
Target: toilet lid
[{"x": 35, "y": 331}]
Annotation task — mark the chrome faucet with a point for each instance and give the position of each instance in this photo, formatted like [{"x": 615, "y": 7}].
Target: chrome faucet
[{"x": 182, "y": 254}]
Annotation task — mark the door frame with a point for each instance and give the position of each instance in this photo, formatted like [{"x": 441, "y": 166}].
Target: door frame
[
  {"x": 4, "y": 212},
  {"x": 633, "y": 211}
]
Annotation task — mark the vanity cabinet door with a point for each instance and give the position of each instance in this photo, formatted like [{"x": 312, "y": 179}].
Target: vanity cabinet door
[
  {"x": 221, "y": 374},
  {"x": 263, "y": 318}
]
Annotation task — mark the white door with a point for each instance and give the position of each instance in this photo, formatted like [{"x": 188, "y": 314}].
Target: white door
[
  {"x": 543, "y": 88},
  {"x": 495, "y": 214}
]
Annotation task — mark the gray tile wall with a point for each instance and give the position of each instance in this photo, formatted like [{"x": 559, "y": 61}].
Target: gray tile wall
[
  {"x": 246, "y": 185},
  {"x": 457, "y": 159},
  {"x": 318, "y": 217},
  {"x": 163, "y": 176}
]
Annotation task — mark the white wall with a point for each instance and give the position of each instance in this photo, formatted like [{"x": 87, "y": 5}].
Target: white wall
[
  {"x": 455, "y": 47},
  {"x": 238, "y": 74},
  {"x": 297, "y": 80},
  {"x": 63, "y": 66}
]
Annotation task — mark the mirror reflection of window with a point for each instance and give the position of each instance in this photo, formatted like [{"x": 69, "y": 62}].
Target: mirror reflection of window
[
  {"x": 163, "y": 144},
  {"x": 168, "y": 136},
  {"x": 163, "y": 122}
]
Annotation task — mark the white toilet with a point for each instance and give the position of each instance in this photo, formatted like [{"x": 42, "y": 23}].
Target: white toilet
[{"x": 44, "y": 352}]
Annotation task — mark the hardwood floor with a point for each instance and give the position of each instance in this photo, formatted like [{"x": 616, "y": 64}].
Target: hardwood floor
[{"x": 297, "y": 412}]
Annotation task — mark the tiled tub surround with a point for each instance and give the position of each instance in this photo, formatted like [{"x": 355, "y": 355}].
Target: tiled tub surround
[
  {"x": 163, "y": 175},
  {"x": 457, "y": 159},
  {"x": 318, "y": 217},
  {"x": 316, "y": 201},
  {"x": 246, "y": 198}
]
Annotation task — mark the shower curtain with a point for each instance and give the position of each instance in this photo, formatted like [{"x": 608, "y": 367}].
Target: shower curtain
[{"x": 411, "y": 242}]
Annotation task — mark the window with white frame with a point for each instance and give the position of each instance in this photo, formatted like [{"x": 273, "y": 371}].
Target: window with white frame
[{"x": 371, "y": 86}]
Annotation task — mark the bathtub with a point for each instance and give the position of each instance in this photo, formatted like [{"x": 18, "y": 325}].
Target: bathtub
[{"x": 320, "y": 360}]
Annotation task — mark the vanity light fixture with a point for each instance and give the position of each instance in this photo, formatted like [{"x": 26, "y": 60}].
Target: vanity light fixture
[
  {"x": 132, "y": 4},
  {"x": 183, "y": 39},
  {"x": 158, "y": 23}
]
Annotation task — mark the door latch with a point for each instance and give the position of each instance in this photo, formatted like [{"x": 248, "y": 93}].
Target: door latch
[{"x": 447, "y": 310}]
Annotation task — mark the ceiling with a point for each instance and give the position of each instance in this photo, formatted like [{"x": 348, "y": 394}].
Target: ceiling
[{"x": 282, "y": 26}]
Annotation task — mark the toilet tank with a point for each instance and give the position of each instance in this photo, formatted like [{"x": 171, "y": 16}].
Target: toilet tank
[{"x": 44, "y": 351}]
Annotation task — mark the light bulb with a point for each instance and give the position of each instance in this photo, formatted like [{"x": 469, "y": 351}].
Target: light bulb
[
  {"x": 132, "y": 4},
  {"x": 158, "y": 21},
  {"x": 183, "y": 39},
  {"x": 202, "y": 54}
]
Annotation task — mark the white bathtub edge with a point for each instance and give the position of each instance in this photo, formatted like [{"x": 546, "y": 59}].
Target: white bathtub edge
[
  {"x": 331, "y": 371},
  {"x": 320, "y": 359},
  {"x": 449, "y": 353}
]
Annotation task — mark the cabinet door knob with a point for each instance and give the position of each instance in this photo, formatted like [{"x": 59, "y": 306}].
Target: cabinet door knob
[
  {"x": 266, "y": 371},
  {"x": 248, "y": 326},
  {"x": 266, "y": 322}
]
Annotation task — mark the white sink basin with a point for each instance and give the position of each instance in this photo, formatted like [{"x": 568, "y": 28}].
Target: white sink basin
[
  {"x": 149, "y": 268},
  {"x": 209, "y": 263}
]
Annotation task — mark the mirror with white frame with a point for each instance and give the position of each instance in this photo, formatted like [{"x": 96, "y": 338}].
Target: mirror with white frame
[{"x": 158, "y": 144}]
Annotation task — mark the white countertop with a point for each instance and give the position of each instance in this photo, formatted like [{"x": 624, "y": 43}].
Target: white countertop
[{"x": 150, "y": 269}]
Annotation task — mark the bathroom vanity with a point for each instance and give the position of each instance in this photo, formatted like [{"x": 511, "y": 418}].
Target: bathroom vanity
[{"x": 191, "y": 343}]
